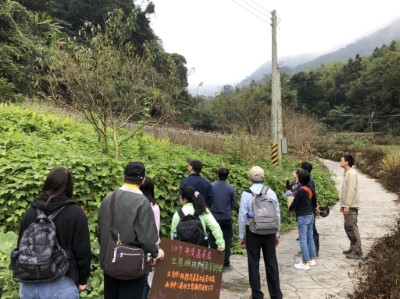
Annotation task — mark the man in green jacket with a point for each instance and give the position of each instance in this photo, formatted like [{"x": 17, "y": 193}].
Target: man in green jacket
[
  {"x": 134, "y": 222},
  {"x": 350, "y": 203}
]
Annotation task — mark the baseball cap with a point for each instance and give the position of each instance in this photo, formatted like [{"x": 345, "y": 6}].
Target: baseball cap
[
  {"x": 135, "y": 169},
  {"x": 257, "y": 173}
]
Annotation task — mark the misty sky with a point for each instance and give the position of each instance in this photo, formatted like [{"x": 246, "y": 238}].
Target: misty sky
[{"x": 223, "y": 43}]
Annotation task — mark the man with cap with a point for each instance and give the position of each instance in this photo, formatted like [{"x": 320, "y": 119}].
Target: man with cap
[
  {"x": 196, "y": 181},
  {"x": 134, "y": 223},
  {"x": 254, "y": 243}
]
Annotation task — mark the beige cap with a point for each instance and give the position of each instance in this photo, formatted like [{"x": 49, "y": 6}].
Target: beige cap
[{"x": 256, "y": 172}]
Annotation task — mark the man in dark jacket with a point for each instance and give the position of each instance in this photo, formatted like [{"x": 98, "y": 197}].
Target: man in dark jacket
[
  {"x": 134, "y": 222},
  {"x": 224, "y": 202},
  {"x": 196, "y": 181}
]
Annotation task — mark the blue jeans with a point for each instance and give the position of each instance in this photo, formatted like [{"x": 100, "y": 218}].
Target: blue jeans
[
  {"x": 63, "y": 288},
  {"x": 307, "y": 246}
]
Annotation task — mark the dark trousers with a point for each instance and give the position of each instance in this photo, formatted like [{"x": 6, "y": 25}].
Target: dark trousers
[
  {"x": 226, "y": 227},
  {"x": 123, "y": 289},
  {"x": 254, "y": 245},
  {"x": 316, "y": 236},
  {"x": 351, "y": 228}
]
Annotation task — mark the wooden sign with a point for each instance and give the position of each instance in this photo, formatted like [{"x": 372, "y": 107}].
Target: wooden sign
[{"x": 187, "y": 271}]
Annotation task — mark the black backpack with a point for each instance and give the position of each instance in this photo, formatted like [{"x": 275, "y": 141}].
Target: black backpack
[
  {"x": 39, "y": 257},
  {"x": 190, "y": 229}
]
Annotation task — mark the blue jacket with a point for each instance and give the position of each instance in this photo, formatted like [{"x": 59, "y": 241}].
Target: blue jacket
[
  {"x": 200, "y": 184},
  {"x": 224, "y": 196}
]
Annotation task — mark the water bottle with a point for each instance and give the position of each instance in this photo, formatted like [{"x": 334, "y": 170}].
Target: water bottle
[
  {"x": 175, "y": 235},
  {"x": 251, "y": 214}
]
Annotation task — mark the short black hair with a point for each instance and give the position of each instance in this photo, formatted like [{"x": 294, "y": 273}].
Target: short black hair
[
  {"x": 306, "y": 166},
  {"x": 304, "y": 176},
  {"x": 223, "y": 173},
  {"x": 196, "y": 165},
  {"x": 349, "y": 159}
]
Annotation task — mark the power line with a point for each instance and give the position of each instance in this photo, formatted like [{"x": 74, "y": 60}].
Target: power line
[
  {"x": 262, "y": 7},
  {"x": 248, "y": 4},
  {"x": 251, "y": 12}
]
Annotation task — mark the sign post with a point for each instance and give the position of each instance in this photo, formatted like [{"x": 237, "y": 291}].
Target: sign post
[{"x": 187, "y": 271}]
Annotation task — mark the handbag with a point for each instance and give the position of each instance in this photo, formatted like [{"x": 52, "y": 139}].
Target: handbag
[{"x": 123, "y": 261}]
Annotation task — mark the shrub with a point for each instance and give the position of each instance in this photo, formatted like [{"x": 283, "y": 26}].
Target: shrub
[
  {"x": 379, "y": 275},
  {"x": 391, "y": 169}
]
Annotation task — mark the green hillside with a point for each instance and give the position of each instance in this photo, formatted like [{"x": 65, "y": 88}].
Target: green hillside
[{"x": 34, "y": 141}]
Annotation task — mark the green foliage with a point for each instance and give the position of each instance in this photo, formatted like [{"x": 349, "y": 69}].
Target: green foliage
[
  {"x": 8, "y": 93},
  {"x": 8, "y": 288},
  {"x": 360, "y": 95},
  {"x": 110, "y": 81},
  {"x": 22, "y": 44},
  {"x": 33, "y": 143}
]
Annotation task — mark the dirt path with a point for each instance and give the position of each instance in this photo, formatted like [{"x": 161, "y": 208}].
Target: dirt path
[{"x": 334, "y": 275}]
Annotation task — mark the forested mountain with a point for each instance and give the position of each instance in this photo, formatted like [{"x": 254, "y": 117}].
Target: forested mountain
[
  {"x": 363, "y": 46},
  {"x": 99, "y": 58},
  {"x": 360, "y": 95}
]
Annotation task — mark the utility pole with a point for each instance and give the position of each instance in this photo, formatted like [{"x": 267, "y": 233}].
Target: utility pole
[{"x": 276, "y": 103}]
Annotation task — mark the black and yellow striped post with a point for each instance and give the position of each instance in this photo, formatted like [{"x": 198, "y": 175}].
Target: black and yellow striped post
[{"x": 274, "y": 154}]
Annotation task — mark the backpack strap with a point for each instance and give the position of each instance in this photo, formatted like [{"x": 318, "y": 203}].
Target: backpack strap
[
  {"x": 180, "y": 213},
  {"x": 53, "y": 215},
  {"x": 308, "y": 190},
  {"x": 264, "y": 190}
]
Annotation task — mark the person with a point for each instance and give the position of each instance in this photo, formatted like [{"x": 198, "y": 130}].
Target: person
[
  {"x": 134, "y": 222},
  {"x": 303, "y": 206},
  {"x": 254, "y": 243},
  {"x": 147, "y": 188},
  {"x": 349, "y": 205},
  {"x": 72, "y": 233},
  {"x": 199, "y": 183},
  {"x": 224, "y": 202},
  {"x": 308, "y": 167},
  {"x": 292, "y": 187},
  {"x": 193, "y": 203}
]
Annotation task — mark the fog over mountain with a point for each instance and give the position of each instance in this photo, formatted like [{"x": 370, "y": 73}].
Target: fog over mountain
[
  {"x": 362, "y": 46},
  {"x": 293, "y": 64}
]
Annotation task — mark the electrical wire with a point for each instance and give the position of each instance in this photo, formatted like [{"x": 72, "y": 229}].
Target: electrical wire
[
  {"x": 248, "y": 4},
  {"x": 262, "y": 7},
  {"x": 251, "y": 12}
]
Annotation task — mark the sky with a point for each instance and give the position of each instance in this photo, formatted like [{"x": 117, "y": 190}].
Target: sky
[{"x": 223, "y": 42}]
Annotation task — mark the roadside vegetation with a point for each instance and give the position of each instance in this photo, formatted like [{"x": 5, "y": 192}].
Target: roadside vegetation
[{"x": 35, "y": 140}]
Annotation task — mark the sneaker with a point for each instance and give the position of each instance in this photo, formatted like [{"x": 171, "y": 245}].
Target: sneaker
[
  {"x": 354, "y": 255},
  {"x": 302, "y": 266},
  {"x": 347, "y": 251},
  {"x": 312, "y": 262}
]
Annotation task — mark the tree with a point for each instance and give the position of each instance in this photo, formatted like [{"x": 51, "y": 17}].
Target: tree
[
  {"x": 24, "y": 40},
  {"x": 109, "y": 82}
]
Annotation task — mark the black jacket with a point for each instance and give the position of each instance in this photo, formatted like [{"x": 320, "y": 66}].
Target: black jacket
[
  {"x": 302, "y": 204},
  {"x": 72, "y": 233}
]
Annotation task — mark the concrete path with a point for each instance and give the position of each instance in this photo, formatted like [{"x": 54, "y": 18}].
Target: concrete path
[{"x": 333, "y": 276}]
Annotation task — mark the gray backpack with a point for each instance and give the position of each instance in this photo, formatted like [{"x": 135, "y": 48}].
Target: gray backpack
[
  {"x": 39, "y": 257},
  {"x": 264, "y": 220}
]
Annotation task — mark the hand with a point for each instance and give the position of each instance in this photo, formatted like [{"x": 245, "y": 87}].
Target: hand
[
  {"x": 81, "y": 287},
  {"x": 153, "y": 261},
  {"x": 345, "y": 211},
  {"x": 221, "y": 249},
  {"x": 242, "y": 243},
  {"x": 318, "y": 209},
  {"x": 276, "y": 241},
  {"x": 161, "y": 254}
]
